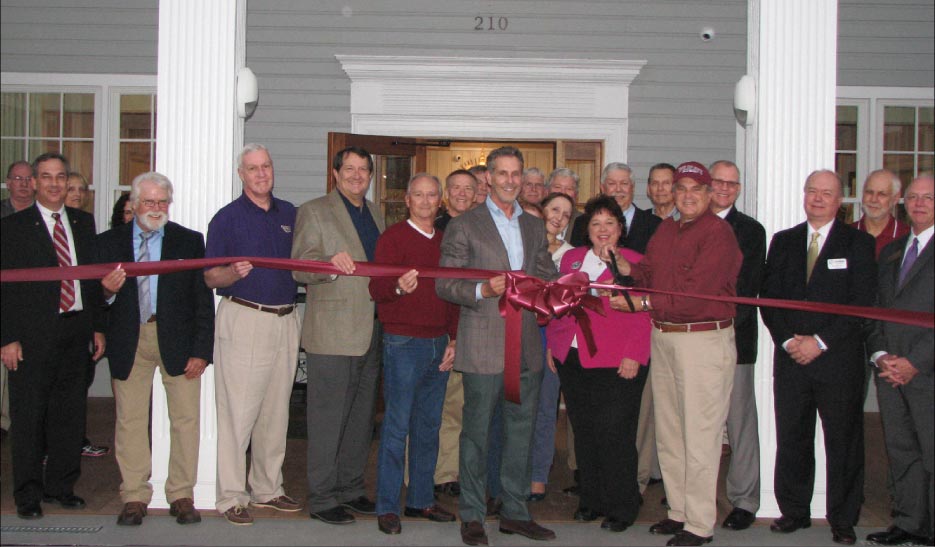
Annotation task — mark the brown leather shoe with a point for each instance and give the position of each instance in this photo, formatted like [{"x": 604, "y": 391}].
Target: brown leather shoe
[
  {"x": 388, "y": 523},
  {"x": 132, "y": 514},
  {"x": 183, "y": 509},
  {"x": 433, "y": 513},
  {"x": 473, "y": 533},
  {"x": 528, "y": 528}
]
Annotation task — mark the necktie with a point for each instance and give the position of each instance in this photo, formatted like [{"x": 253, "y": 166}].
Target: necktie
[
  {"x": 60, "y": 240},
  {"x": 142, "y": 282},
  {"x": 911, "y": 255},
  {"x": 812, "y": 256}
]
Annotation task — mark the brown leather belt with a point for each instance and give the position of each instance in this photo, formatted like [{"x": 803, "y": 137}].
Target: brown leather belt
[
  {"x": 280, "y": 311},
  {"x": 693, "y": 327}
]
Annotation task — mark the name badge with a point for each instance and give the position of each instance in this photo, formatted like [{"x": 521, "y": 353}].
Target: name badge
[{"x": 837, "y": 263}]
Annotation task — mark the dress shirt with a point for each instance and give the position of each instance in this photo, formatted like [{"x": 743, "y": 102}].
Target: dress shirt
[
  {"x": 823, "y": 235},
  {"x": 366, "y": 227},
  {"x": 50, "y": 226},
  {"x": 628, "y": 215},
  {"x": 510, "y": 234},
  {"x": 155, "y": 254}
]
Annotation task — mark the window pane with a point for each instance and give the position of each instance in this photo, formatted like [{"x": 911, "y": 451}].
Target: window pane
[
  {"x": 44, "y": 113},
  {"x": 80, "y": 157},
  {"x": 135, "y": 117},
  {"x": 901, "y": 164},
  {"x": 11, "y": 150},
  {"x": 899, "y": 128},
  {"x": 846, "y": 128},
  {"x": 134, "y": 159},
  {"x": 41, "y": 147},
  {"x": 926, "y": 130},
  {"x": 926, "y": 163},
  {"x": 79, "y": 115},
  {"x": 845, "y": 164},
  {"x": 12, "y": 114}
]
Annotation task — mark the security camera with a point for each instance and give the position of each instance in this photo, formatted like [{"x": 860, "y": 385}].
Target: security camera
[{"x": 707, "y": 34}]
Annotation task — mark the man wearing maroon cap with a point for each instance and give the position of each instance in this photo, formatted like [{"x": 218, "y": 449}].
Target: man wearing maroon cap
[{"x": 693, "y": 351}]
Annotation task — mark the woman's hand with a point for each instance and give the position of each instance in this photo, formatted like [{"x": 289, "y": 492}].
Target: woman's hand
[
  {"x": 550, "y": 362},
  {"x": 628, "y": 368}
]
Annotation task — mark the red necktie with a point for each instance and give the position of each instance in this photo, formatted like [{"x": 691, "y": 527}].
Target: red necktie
[{"x": 60, "y": 239}]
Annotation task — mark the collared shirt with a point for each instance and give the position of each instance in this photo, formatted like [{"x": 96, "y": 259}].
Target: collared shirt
[
  {"x": 893, "y": 230},
  {"x": 155, "y": 254},
  {"x": 923, "y": 238},
  {"x": 673, "y": 213},
  {"x": 822, "y": 235},
  {"x": 241, "y": 228},
  {"x": 723, "y": 214},
  {"x": 510, "y": 234},
  {"x": 366, "y": 228},
  {"x": 628, "y": 215},
  {"x": 50, "y": 226}
]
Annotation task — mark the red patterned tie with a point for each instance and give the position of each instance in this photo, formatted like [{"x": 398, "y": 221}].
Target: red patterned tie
[{"x": 60, "y": 239}]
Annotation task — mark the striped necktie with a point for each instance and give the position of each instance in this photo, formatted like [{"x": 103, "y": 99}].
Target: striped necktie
[
  {"x": 146, "y": 306},
  {"x": 60, "y": 240}
]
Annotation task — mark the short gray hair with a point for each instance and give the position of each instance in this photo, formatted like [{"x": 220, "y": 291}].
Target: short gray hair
[
  {"x": 563, "y": 172},
  {"x": 817, "y": 172},
  {"x": 161, "y": 181},
  {"x": 534, "y": 171},
  {"x": 614, "y": 166},
  {"x": 894, "y": 180},
  {"x": 249, "y": 149},
  {"x": 418, "y": 176},
  {"x": 725, "y": 163}
]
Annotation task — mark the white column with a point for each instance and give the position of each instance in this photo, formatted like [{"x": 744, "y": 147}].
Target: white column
[
  {"x": 796, "y": 73},
  {"x": 201, "y": 46}
]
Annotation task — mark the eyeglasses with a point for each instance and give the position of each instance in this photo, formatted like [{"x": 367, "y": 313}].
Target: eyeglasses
[
  {"x": 18, "y": 179},
  {"x": 153, "y": 203},
  {"x": 722, "y": 182}
]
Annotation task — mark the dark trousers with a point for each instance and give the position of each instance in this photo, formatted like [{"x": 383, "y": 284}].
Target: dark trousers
[
  {"x": 48, "y": 405},
  {"x": 604, "y": 411},
  {"x": 839, "y": 405}
]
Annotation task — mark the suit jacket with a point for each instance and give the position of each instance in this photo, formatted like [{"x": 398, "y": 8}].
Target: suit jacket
[
  {"x": 339, "y": 312},
  {"x": 852, "y": 280},
  {"x": 752, "y": 240},
  {"x": 184, "y": 304},
  {"x": 641, "y": 228},
  {"x": 472, "y": 241},
  {"x": 916, "y": 344},
  {"x": 27, "y": 310}
]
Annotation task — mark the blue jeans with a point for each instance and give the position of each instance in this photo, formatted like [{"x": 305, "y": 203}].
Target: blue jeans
[
  {"x": 543, "y": 441},
  {"x": 414, "y": 392}
]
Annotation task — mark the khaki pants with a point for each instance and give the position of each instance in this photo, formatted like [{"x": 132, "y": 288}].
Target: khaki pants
[
  {"x": 692, "y": 375},
  {"x": 648, "y": 461},
  {"x": 255, "y": 356},
  {"x": 183, "y": 397},
  {"x": 446, "y": 469}
]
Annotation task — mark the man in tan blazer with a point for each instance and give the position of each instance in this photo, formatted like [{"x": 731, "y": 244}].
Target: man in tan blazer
[
  {"x": 495, "y": 235},
  {"x": 341, "y": 339}
]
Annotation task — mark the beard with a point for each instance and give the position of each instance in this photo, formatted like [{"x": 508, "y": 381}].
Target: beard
[{"x": 154, "y": 221}]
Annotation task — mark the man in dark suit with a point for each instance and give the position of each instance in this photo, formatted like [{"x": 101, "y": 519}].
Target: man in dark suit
[
  {"x": 743, "y": 477},
  {"x": 818, "y": 362},
  {"x": 163, "y": 322},
  {"x": 617, "y": 182},
  {"x": 903, "y": 356},
  {"x": 496, "y": 235},
  {"x": 45, "y": 330}
]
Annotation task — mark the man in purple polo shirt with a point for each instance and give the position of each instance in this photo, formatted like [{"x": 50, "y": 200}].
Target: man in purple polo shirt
[{"x": 256, "y": 341}]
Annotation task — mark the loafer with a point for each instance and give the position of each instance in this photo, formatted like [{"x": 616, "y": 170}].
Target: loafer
[
  {"x": 536, "y": 497},
  {"x": 67, "y": 501},
  {"x": 583, "y": 514},
  {"x": 433, "y": 513},
  {"x": 93, "y": 451},
  {"x": 361, "y": 505},
  {"x": 280, "y": 503},
  {"x": 452, "y": 489},
  {"x": 687, "y": 538},
  {"x": 787, "y": 525},
  {"x": 239, "y": 516},
  {"x": 527, "y": 528},
  {"x": 183, "y": 509},
  {"x": 473, "y": 533},
  {"x": 389, "y": 524},
  {"x": 739, "y": 519},
  {"x": 844, "y": 535},
  {"x": 335, "y": 515},
  {"x": 894, "y": 535},
  {"x": 613, "y": 524},
  {"x": 666, "y": 527},
  {"x": 132, "y": 514},
  {"x": 29, "y": 510},
  {"x": 494, "y": 505}
]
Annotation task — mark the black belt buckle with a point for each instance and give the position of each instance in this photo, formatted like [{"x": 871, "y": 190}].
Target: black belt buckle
[{"x": 69, "y": 314}]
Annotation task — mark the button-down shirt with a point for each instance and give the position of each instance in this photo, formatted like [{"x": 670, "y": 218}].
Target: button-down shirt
[
  {"x": 366, "y": 227},
  {"x": 155, "y": 254},
  {"x": 50, "y": 226},
  {"x": 510, "y": 234}
]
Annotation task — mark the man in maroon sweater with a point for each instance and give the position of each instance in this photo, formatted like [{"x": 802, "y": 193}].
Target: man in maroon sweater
[
  {"x": 418, "y": 351},
  {"x": 693, "y": 351}
]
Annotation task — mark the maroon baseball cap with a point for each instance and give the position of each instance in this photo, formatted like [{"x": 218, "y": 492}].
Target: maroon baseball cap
[{"x": 695, "y": 171}]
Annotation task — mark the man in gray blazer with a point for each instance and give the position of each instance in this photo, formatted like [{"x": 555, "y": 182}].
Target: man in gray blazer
[
  {"x": 496, "y": 235},
  {"x": 341, "y": 339},
  {"x": 903, "y": 357}
]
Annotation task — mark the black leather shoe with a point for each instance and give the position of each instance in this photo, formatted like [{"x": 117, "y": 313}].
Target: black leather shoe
[
  {"x": 666, "y": 527},
  {"x": 688, "y": 538},
  {"x": 335, "y": 515},
  {"x": 614, "y": 524},
  {"x": 536, "y": 497},
  {"x": 433, "y": 513},
  {"x": 494, "y": 505},
  {"x": 389, "y": 524},
  {"x": 843, "y": 534},
  {"x": 67, "y": 501},
  {"x": 29, "y": 510},
  {"x": 452, "y": 489},
  {"x": 473, "y": 533},
  {"x": 895, "y": 535},
  {"x": 361, "y": 505},
  {"x": 583, "y": 514},
  {"x": 787, "y": 525},
  {"x": 653, "y": 481},
  {"x": 527, "y": 528},
  {"x": 739, "y": 519}
]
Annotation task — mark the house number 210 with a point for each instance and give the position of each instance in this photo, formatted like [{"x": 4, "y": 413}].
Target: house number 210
[{"x": 501, "y": 23}]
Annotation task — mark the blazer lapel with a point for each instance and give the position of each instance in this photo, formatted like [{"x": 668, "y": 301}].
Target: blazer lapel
[
  {"x": 488, "y": 232},
  {"x": 924, "y": 257},
  {"x": 346, "y": 226},
  {"x": 828, "y": 249}
]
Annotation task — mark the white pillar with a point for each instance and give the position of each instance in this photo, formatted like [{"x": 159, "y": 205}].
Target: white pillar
[
  {"x": 794, "y": 60},
  {"x": 198, "y": 133}
]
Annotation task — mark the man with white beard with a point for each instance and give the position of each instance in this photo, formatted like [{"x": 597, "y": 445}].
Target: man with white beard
[{"x": 163, "y": 322}]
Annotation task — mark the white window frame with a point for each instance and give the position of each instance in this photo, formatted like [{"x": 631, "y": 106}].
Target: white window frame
[{"x": 107, "y": 89}]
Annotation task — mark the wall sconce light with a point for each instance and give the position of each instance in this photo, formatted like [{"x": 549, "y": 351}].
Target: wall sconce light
[
  {"x": 745, "y": 100},
  {"x": 247, "y": 92}
]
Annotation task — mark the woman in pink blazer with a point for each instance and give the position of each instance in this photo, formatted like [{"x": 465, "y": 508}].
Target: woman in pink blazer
[{"x": 603, "y": 390}]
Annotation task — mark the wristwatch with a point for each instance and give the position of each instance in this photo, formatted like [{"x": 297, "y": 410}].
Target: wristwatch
[
  {"x": 400, "y": 291},
  {"x": 645, "y": 302}
]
